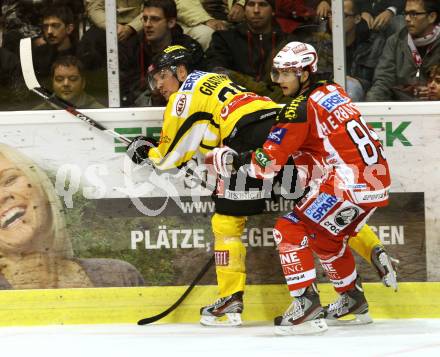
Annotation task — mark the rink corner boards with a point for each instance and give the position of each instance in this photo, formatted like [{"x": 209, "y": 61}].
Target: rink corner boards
[{"x": 128, "y": 305}]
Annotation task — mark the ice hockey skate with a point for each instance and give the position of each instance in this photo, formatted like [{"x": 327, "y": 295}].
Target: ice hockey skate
[
  {"x": 225, "y": 311},
  {"x": 385, "y": 266},
  {"x": 351, "y": 302},
  {"x": 304, "y": 316}
]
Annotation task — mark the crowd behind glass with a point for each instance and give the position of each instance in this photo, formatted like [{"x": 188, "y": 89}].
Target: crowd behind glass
[{"x": 392, "y": 46}]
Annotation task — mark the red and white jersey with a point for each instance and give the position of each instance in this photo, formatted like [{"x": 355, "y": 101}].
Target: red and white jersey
[{"x": 333, "y": 148}]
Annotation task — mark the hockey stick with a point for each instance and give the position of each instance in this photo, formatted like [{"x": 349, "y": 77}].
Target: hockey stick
[
  {"x": 149, "y": 320},
  {"x": 33, "y": 85},
  {"x": 31, "y": 81}
]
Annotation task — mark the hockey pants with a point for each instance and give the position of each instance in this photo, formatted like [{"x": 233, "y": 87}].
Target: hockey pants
[
  {"x": 230, "y": 252},
  {"x": 298, "y": 237}
]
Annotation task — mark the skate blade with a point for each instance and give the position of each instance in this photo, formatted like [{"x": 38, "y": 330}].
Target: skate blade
[
  {"x": 390, "y": 278},
  {"x": 312, "y": 327},
  {"x": 359, "y": 319},
  {"x": 228, "y": 320}
]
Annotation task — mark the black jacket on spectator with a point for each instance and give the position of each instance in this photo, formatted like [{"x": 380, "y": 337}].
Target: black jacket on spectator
[
  {"x": 22, "y": 18},
  {"x": 9, "y": 67},
  {"x": 135, "y": 56},
  {"x": 45, "y": 55},
  {"x": 13, "y": 92},
  {"x": 362, "y": 58},
  {"x": 375, "y": 7},
  {"x": 240, "y": 50}
]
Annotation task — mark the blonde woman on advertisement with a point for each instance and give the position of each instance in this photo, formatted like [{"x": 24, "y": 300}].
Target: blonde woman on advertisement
[{"x": 35, "y": 247}]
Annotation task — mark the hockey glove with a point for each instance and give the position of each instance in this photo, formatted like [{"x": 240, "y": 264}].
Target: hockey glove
[
  {"x": 222, "y": 160},
  {"x": 139, "y": 148}
]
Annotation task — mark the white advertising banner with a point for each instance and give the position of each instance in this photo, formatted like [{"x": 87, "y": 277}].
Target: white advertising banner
[{"x": 84, "y": 161}]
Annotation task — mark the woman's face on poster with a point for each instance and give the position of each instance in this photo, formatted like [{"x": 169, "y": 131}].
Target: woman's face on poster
[{"x": 24, "y": 211}]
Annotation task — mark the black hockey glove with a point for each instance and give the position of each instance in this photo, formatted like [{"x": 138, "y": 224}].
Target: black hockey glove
[{"x": 139, "y": 148}]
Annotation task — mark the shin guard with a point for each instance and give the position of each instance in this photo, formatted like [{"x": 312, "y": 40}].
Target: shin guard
[
  {"x": 298, "y": 267},
  {"x": 341, "y": 269},
  {"x": 230, "y": 253},
  {"x": 295, "y": 255}
]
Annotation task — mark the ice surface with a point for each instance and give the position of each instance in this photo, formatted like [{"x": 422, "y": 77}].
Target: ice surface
[{"x": 415, "y": 337}]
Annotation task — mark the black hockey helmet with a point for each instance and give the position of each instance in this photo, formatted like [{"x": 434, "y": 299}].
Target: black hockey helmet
[{"x": 170, "y": 56}]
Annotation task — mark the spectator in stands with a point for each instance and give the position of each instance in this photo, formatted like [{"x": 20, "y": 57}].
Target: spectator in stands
[
  {"x": 292, "y": 15},
  {"x": 11, "y": 83},
  {"x": 9, "y": 67},
  {"x": 159, "y": 31},
  {"x": 68, "y": 83},
  {"x": 362, "y": 51},
  {"x": 434, "y": 82},
  {"x": 22, "y": 19},
  {"x": 92, "y": 47},
  {"x": 383, "y": 15},
  {"x": 200, "y": 18},
  {"x": 246, "y": 50},
  {"x": 363, "y": 48},
  {"x": 402, "y": 71},
  {"x": 57, "y": 27},
  {"x": 322, "y": 7},
  {"x": 303, "y": 16},
  {"x": 35, "y": 246}
]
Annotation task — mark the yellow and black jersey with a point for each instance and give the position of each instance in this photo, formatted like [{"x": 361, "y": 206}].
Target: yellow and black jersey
[{"x": 201, "y": 115}]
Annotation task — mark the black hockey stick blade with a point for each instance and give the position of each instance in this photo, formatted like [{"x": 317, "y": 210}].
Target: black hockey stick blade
[{"x": 149, "y": 320}]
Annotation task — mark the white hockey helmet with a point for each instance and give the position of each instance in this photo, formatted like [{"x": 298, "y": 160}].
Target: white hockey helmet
[{"x": 293, "y": 58}]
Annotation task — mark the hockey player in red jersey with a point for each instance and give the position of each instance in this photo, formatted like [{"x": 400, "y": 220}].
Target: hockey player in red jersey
[{"x": 341, "y": 162}]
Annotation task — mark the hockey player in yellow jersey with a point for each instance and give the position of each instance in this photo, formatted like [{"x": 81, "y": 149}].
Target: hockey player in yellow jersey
[{"x": 208, "y": 110}]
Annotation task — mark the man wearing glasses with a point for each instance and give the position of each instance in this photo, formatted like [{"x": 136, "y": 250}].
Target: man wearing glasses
[
  {"x": 402, "y": 71},
  {"x": 160, "y": 30},
  {"x": 57, "y": 28}
]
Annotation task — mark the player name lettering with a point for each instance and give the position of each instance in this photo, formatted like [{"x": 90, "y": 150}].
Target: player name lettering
[{"x": 338, "y": 116}]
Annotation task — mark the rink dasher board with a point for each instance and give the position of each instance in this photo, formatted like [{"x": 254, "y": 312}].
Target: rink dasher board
[
  {"x": 54, "y": 138},
  {"x": 409, "y": 131},
  {"x": 128, "y": 305}
]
